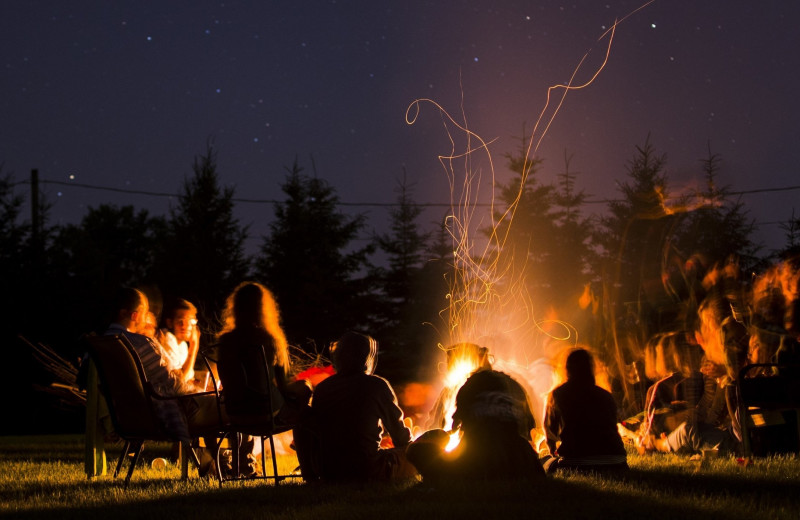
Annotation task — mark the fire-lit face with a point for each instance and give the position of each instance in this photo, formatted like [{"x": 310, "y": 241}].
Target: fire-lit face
[{"x": 182, "y": 324}]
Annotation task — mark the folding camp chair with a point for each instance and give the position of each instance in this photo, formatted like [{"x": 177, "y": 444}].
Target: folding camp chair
[
  {"x": 769, "y": 395},
  {"x": 239, "y": 374},
  {"x": 130, "y": 399}
]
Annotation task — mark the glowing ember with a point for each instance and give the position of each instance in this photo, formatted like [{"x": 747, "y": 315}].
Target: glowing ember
[{"x": 489, "y": 301}]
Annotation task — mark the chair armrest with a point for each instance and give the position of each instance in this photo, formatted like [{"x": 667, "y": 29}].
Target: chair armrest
[{"x": 161, "y": 397}]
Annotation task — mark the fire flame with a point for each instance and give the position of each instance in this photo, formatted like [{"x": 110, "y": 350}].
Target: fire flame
[{"x": 488, "y": 301}]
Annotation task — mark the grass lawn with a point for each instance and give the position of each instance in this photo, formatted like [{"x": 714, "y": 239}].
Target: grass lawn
[{"x": 42, "y": 477}]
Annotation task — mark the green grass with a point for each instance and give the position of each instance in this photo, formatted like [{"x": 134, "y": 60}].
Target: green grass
[{"x": 42, "y": 477}]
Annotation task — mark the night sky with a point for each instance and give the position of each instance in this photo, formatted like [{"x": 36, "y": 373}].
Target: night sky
[{"x": 125, "y": 94}]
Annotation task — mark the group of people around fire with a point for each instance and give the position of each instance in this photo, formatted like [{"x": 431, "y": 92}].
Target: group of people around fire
[{"x": 350, "y": 426}]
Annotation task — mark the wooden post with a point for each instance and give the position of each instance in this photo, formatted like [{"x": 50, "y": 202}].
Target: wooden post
[{"x": 95, "y": 453}]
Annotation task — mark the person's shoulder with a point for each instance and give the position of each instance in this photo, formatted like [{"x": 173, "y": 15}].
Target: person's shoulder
[
  {"x": 605, "y": 394},
  {"x": 327, "y": 382},
  {"x": 136, "y": 339},
  {"x": 115, "y": 329},
  {"x": 169, "y": 341},
  {"x": 378, "y": 383}
]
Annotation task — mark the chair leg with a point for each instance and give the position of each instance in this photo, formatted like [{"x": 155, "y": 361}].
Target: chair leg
[
  {"x": 192, "y": 458},
  {"x": 263, "y": 457},
  {"x": 274, "y": 460},
  {"x": 122, "y": 457},
  {"x": 235, "y": 452},
  {"x": 184, "y": 453},
  {"x": 137, "y": 451},
  {"x": 218, "y": 455}
]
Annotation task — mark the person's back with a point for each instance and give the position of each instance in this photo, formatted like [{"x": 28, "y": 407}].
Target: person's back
[
  {"x": 349, "y": 412},
  {"x": 244, "y": 376},
  {"x": 493, "y": 411},
  {"x": 583, "y": 417},
  {"x": 588, "y": 423}
]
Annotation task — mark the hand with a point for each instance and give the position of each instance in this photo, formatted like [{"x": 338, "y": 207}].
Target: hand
[{"x": 713, "y": 370}]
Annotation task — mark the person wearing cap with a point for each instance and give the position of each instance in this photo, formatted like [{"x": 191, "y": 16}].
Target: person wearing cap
[{"x": 352, "y": 412}]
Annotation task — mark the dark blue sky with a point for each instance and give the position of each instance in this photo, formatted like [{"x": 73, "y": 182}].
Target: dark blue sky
[{"x": 124, "y": 94}]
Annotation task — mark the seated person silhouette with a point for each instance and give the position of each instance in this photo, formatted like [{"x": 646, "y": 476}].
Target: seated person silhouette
[
  {"x": 350, "y": 412},
  {"x": 494, "y": 415},
  {"x": 581, "y": 422},
  {"x": 251, "y": 323}
]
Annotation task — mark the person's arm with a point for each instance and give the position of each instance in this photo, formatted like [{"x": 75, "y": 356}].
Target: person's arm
[
  {"x": 552, "y": 424},
  {"x": 392, "y": 416},
  {"x": 187, "y": 370}
]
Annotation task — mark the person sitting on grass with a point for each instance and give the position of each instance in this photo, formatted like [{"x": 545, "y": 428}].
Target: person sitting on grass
[
  {"x": 714, "y": 425},
  {"x": 581, "y": 422},
  {"x": 350, "y": 411},
  {"x": 494, "y": 416},
  {"x": 674, "y": 363}
]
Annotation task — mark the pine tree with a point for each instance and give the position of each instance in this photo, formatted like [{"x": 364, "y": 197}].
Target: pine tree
[
  {"x": 791, "y": 230},
  {"x": 111, "y": 247},
  {"x": 203, "y": 256},
  {"x": 405, "y": 305},
  {"x": 310, "y": 263},
  {"x": 572, "y": 256},
  {"x": 13, "y": 233},
  {"x": 635, "y": 238},
  {"x": 720, "y": 227},
  {"x": 527, "y": 228}
]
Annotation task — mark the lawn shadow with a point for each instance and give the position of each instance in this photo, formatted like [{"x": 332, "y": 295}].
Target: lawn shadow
[{"x": 652, "y": 494}]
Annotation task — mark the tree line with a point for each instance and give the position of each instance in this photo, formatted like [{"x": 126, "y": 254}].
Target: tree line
[{"x": 58, "y": 279}]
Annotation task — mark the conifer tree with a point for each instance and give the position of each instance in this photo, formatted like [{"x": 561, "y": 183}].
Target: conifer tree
[
  {"x": 203, "y": 256},
  {"x": 632, "y": 234},
  {"x": 320, "y": 278},
  {"x": 408, "y": 301},
  {"x": 634, "y": 238},
  {"x": 791, "y": 231},
  {"x": 111, "y": 247},
  {"x": 527, "y": 227},
  {"x": 572, "y": 256},
  {"x": 720, "y": 227}
]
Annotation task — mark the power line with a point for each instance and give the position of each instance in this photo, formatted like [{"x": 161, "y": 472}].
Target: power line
[{"x": 358, "y": 204}]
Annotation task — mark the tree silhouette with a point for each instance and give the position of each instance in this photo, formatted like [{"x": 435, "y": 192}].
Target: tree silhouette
[
  {"x": 408, "y": 298},
  {"x": 13, "y": 233},
  {"x": 527, "y": 226},
  {"x": 634, "y": 239},
  {"x": 203, "y": 258},
  {"x": 634, "y": 233},
  {"x": 720, "y": 227},
  {"x": 572, "y": 256},
  {"x": 111, "y": 247},
  {"x": 791, "y": 230},
  {"x": 309, "y": 261}
]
